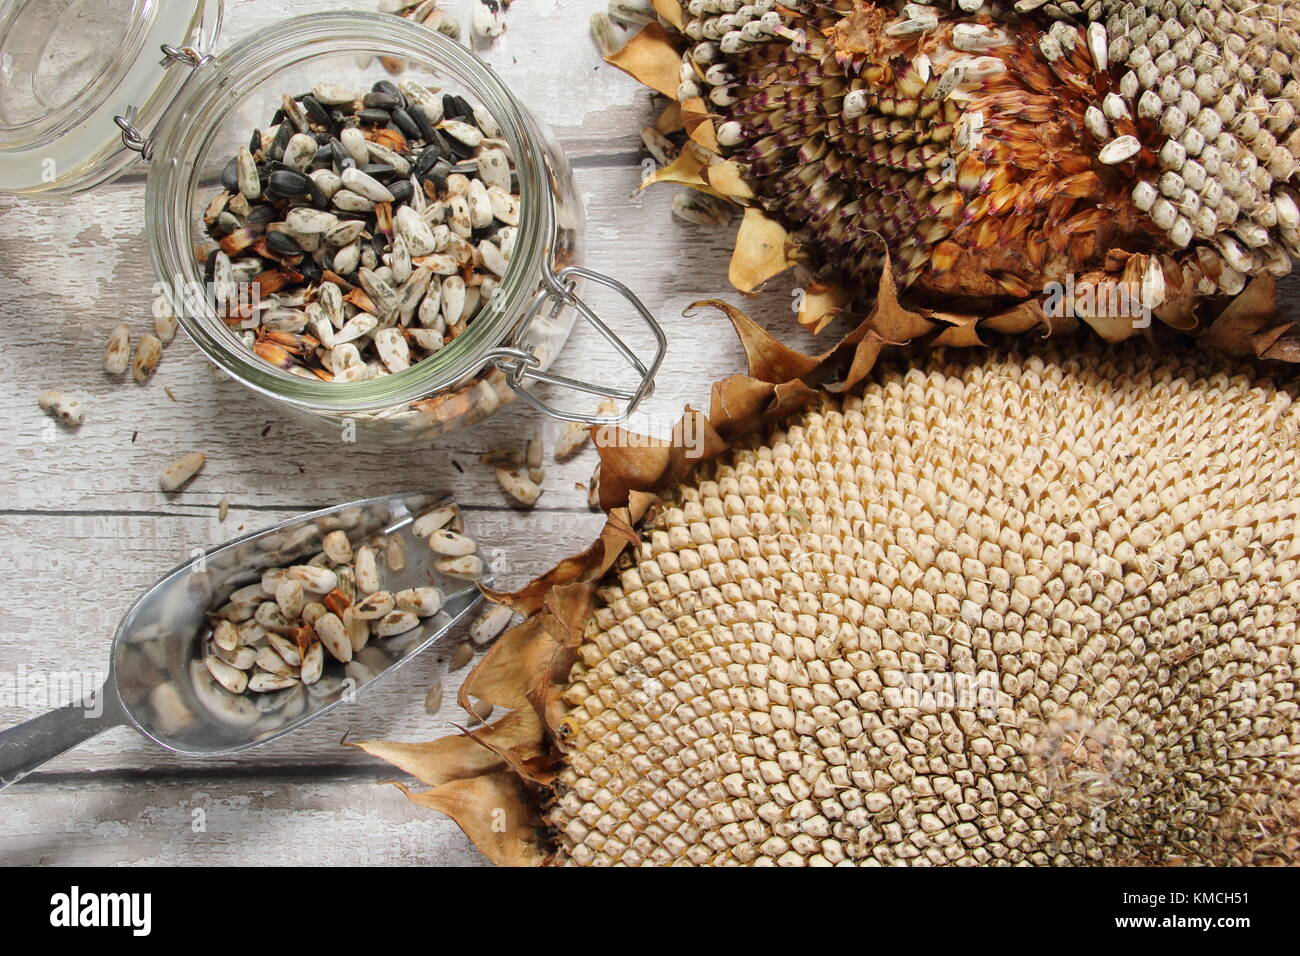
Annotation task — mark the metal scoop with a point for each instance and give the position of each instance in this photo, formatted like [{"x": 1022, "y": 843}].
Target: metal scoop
[{"x": 158, "y": 683}]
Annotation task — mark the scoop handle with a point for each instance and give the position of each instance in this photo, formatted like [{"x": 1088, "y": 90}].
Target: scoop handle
[{"x": 26, "y": 746}]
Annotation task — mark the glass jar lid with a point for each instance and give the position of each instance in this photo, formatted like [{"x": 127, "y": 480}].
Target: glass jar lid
[{"x": 69, "y": 68}]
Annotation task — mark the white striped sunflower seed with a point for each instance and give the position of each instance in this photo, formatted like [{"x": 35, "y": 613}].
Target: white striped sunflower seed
[
  {"x": 313, "y": 663},
  {"x": 432, "y": 521},
  {"x": 264, "y": 682},
  {"x": 334, "y": 635}
]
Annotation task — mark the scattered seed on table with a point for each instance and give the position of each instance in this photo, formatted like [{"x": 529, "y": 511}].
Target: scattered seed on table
[
  {"x": 519, "y": 486},
  {"x": 605, "y": 34},
  {"x": 117, "y": 353},
  {"x": 65, "y": 409},
  {"x": 223, "y": 509},
  {"x": 488, "y": 20},
  {"x": 164, "y": 326},
  {"x": 176, "y": 475},
  {"x": 433, "y": 697},
  {"x": 148, "y": 352},
  {"x": 462, "y": 655}
]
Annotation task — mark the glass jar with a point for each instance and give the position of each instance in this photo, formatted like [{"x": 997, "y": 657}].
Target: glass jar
[{"x": 203, "y": 107}]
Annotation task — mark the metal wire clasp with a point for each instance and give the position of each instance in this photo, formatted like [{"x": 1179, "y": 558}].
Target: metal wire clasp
[
  {"x": 521, "y": 366},
  {"x": 132, "y": 136}
]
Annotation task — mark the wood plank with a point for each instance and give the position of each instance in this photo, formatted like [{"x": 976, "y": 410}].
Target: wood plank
[{"x": 326, "y": 820}]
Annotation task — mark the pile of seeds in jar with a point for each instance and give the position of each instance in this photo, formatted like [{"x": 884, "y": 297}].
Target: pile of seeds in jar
[
  {"x": 282, "y": 630},
  {"x": 374, "y": 225}
]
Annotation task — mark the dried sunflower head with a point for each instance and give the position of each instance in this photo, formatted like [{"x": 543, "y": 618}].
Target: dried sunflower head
[
  {"x": 1037, "y": 606},
  {"x": 993, "y": 149}
]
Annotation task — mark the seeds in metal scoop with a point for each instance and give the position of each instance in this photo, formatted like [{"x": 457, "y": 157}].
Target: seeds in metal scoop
[
  {"x": 313, "y": 663},
  {"x": 147, "y": 355},
  {"x": 289, "y": 596},
  {"x": 366, "y": 568},
  {"x": 314, "y": 579},
  {"x": 450, "y": 543},
  {"x": 242, "y": 658},
  {"x": 264, "y": 682},
  {"x": 117, "y": 354},
  {"x": 431, "y": 521},
  {"x": 374, "y": 606},
  {"x": 489, "y": 625},
  {"x": 334, "y": 635},
  {"x": 394, "y": 623},
  {"x": 177, "y": 474},
  {"x": 65, "y": 409},
  {"x": 466, "y": 568},
  {"x": 229, "y": 677},
  {"x": 422, "y": 602},
  {"x": 337, "y": 547}
]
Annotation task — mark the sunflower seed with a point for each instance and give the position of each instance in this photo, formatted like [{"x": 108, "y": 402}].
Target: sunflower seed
[
  {"x": 422, "y": 602},
  {"x": 66, "y": 410},
  {"x": 226, "y": 636},
  {"x": 466, "y": 568},
  {"x": 337, "y": 547},
  {"x": 313, "y": 663},
  {"x": 177, "y": 474},
  {"x": 450, "y": 543},
  {"x": 518, "y": 486},
  {"x": 231, "y": 678},
  {"x": 488, "y": 20},
  {"x": 366, "y": 569},
  {"x": 117, "y": 354},
  {"x": 374, "y": 606},
  {"x": 433, "y": 697},
  {"x": 394, "y": 623},
  {"x": 489, "y": 625},
  {"x": 147, "y": 355}
]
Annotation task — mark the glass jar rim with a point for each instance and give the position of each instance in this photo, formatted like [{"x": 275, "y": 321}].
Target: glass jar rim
[{"x": 214, "y": 91}]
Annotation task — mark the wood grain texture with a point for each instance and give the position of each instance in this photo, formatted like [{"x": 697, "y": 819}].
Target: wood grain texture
[{"x": 86, "y": 528}]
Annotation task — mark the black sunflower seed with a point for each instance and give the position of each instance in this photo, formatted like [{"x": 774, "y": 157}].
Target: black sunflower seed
[
  {"x": 375, "y": 117},
  {"x": 427, "y": 160},
  {"x": 282, "y": 244},
  {"x": 421, "y": 118},
  {"x": 263, "y": 214},
  {"x": 402, "y": 191},
  {"x": 456, "y": 107},
  {"x": 316, "y": 112},
  {"x": 288, "y": 184},
  {"x": 230, "y": 177},
  {"x": 389, "y": 87},
  {"x": 379, "y": 171},
  {"x": 380, "y": 101},
  {"x": 282, "y": 137},
  {"x": 255, "y": 142},
  {"x": 459, "y": 149},
  {"x": 403, "y": 121}
]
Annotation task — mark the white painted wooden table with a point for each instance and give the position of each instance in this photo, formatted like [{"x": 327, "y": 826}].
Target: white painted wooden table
[{"x": 85, "y": 527}]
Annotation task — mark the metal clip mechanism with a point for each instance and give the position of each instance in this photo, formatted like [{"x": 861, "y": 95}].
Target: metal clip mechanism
[
  {"x": 520, "y": 365},
  {"x": 132, "y": 136}
]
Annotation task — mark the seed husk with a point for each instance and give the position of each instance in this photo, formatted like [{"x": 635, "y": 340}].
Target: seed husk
[
  {"x": 433, "y": 697},
  {"x": 181, "y": 471},
  {"x": 518, "y": 486}
]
